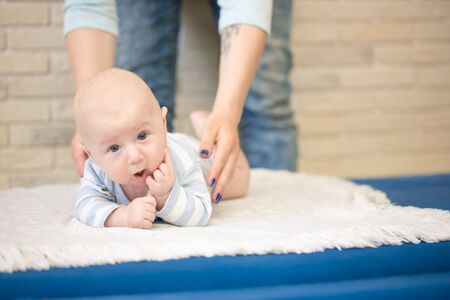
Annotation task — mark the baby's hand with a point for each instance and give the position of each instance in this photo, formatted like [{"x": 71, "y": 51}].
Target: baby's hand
[
  {"x": 141, "y": 212},
  {"x": 161, "y": 182}
]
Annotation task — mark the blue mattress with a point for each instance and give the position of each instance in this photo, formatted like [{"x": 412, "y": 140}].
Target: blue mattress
[{"x": 408, "y": 271}]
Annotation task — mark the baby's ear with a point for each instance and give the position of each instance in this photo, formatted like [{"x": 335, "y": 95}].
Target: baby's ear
[
  {"x": 164, "y": 115},
  {"x": 88, "y": 153}
]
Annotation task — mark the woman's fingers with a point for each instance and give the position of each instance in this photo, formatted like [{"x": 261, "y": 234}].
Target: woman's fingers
[
  {"x": 225, "y": 175},
  {"x": 209, "y": 137},
  {"x": 224, "y": 162},
  {"x": 220, "y": 132}
]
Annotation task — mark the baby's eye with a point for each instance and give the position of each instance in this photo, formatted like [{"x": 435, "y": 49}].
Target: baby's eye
[
  {"x": 114, "y": 148},
  {"x": 142, "y": 136}
]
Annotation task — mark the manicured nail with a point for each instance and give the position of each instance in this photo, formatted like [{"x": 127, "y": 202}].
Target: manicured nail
[
  {"x": 204, "y": 152},
  {"x": 218, "y": 197},
  {"x": 213, "y": 181}
]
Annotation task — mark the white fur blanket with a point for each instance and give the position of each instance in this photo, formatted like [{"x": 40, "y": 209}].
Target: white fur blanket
[{"x": 283, "y": 213}]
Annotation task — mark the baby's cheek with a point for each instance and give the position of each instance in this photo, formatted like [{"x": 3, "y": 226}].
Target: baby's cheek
[
  {"x": 156, "y": 159},
  {"x": 153, "y": 166},
  {"x": 119, "y": 175}
]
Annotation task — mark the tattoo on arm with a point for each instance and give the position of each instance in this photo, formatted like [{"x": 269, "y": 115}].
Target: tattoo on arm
[{"x": 225, "y": 40}]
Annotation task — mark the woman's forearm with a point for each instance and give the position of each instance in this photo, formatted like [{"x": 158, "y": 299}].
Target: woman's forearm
[
  {"x": 90, "y": 51},
  {"x": 241, "y": 48}
]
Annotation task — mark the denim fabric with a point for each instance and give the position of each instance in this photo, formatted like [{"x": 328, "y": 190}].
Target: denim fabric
[
  {"x": 268, "y": 130},
  {"x": 147, "y": 45}
]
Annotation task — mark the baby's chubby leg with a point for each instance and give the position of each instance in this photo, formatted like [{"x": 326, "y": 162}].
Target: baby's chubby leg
[{"x": 237, "y": 185}]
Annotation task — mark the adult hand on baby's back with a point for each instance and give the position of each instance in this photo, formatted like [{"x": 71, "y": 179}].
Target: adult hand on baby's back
[
  {"x": 161, "y": 182},
  {"x": 141, "y": 212},
  {"x": 79, "y": 154}
]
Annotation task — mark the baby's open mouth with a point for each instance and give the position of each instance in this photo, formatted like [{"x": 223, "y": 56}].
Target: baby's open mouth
[{"x": 139, "y": 174}]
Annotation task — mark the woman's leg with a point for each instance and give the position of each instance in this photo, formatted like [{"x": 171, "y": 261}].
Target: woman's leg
[
  {"x": 147, "y": 45},
  {"x": 268, "y": 131}
]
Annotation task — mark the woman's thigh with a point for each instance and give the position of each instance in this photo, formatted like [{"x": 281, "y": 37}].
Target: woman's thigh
[{"x": 147, "y": 45}]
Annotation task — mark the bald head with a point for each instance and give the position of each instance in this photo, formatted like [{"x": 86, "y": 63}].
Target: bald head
[
  {"x": 112, "y": 94},
  {"x": 112, "y": 90}
]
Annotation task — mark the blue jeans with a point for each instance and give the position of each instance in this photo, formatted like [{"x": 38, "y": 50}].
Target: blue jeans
[{"x": 147, "y": 45}]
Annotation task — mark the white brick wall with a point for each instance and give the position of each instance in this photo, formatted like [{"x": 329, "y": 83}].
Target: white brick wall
[
  {"x": 372, "y": 91},
  {"x": 35, "y": 95},
  {"x": 371, "y": 86}
]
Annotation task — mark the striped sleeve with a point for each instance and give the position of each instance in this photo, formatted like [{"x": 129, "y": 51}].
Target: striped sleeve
[
  {"x": 94, "y": 202},
  {"x": 189, "y": 202}
]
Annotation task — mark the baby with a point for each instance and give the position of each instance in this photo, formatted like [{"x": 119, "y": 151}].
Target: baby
[{"x": 136, "y": 170}]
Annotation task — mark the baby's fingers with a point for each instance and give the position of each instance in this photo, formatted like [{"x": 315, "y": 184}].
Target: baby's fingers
[
  {"x": 164, "y": 168},
  {"x": 151, "y": 183},
  {"x": 150, "y": 200},
  {"x": 150, "y": 216},
  {"x": 149, "y": 180},
  {"x": 158, "y": 175},
  {"x": 146, "y": 224}
]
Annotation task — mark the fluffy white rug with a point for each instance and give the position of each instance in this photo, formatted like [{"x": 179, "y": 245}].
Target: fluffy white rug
[{"x": 284, "y": 212}]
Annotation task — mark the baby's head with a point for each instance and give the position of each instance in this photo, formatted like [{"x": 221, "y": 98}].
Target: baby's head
[{"x": 121, "y": 125}]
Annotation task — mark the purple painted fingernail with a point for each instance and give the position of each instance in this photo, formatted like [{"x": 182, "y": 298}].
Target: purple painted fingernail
[
  {"x": 213, "y": 181},
  {"x": 204, "y": 152},
  {"x": 218, "y": 197}
]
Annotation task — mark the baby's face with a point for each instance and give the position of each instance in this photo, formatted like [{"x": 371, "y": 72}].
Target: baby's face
[
  {"x": 125, "y": 136},
  {"x": 129, "y": 147}
]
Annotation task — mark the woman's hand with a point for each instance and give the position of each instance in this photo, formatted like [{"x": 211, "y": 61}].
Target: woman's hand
[
  {"x": 241, "y": 48},
  {"x": 221, "y": 132},
  {"x": 79, "y": 154}
]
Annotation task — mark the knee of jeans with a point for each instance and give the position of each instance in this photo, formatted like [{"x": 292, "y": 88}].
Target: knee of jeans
[
  {"x": 273, "y": 149},
  {"x": 271, "y": 119},
  {"x": 275, "y": 63},
  {"x": 269, "y": 114}
]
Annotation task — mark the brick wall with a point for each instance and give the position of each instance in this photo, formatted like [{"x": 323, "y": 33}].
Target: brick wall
[
  {"x": 371, "y": 86},
  {"x": 35, "y": 95}
]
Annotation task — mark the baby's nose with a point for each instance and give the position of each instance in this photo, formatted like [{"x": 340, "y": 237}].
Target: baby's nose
[{"x": 134, "y": 155}]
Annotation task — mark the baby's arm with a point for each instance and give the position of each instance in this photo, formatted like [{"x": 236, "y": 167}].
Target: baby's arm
[
  {"x": 140, "y": 213},
  {"x": 161, "y": 182},
  {"x": 97, "y": 207},
  {"x": 188, "y": 203},
  {"x": 94, "y": 203},
  {"x": 185, "y": 202}
]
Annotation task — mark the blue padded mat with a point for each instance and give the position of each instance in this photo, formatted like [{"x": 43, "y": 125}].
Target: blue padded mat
[
  {"x": 400, "y": 272},
  {"x": 421, "y": 191}
]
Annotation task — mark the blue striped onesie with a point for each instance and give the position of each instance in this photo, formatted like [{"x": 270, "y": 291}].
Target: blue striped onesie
[{"x": 189, "y": 202}]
